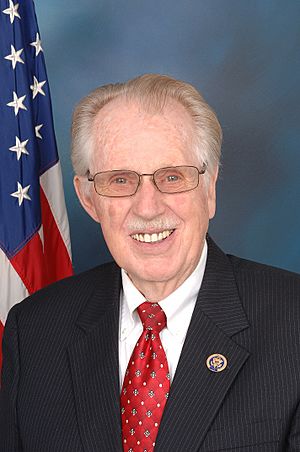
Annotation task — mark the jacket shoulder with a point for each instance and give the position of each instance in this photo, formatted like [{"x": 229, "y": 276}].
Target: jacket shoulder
[
  {"x": 263, "y": 284},
  {"x": 68, "y": 294},
  {"x": 244, "y": 266}
]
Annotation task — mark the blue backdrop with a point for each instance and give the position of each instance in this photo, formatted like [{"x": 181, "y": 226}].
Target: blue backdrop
[{"x": 244, "y": 57}]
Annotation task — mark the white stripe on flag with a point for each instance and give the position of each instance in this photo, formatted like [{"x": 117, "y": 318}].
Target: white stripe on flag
[
  {"x": 12, "y": 287},
  {"x": 51, "y": 183},
  {"x": 41, "y": 234}
]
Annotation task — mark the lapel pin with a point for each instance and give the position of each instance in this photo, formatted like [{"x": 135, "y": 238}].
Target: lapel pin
[{"x": 216, "y": 362}]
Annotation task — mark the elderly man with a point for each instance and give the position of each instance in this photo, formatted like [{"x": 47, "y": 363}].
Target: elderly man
[{"x": 175, "y": 346}]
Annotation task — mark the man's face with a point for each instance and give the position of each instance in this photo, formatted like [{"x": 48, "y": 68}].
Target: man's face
[{"x": 128, "y": 138}]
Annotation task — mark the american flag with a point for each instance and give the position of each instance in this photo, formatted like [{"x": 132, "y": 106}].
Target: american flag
[{"x": 34, "y": 230}]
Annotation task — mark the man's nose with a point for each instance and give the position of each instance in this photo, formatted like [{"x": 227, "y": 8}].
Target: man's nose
[{"x": 148, "y": 200}]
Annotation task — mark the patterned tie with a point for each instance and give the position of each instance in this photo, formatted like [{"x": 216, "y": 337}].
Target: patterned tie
[{"x": 146, "y": 384}]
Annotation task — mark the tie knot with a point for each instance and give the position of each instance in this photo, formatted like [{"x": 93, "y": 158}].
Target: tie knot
[{"x": 152, "y": 316}]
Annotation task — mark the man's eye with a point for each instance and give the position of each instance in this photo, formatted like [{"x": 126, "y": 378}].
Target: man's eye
[
  {"x": 120, "y": 180},
  {"x": 173, "y": 178}
]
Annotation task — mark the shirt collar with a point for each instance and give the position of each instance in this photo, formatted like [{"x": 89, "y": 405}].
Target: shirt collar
[
  {"x": 179, "y": 305},
  {"x": 131, "y": 298},
  {"x": 182, "y": 301}
]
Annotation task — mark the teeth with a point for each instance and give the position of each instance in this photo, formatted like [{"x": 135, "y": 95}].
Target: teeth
[{"x": 152, "y": 238}]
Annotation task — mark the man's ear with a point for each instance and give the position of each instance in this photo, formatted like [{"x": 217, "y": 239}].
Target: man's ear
[
  {"x": 211, "y": 192},
  {"x": 85, "y": 196}
]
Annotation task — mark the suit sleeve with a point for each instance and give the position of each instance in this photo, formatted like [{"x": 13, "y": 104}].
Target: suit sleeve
[
  {"x": 9, "y": 436},
  {"x": 294, "y": 436}
]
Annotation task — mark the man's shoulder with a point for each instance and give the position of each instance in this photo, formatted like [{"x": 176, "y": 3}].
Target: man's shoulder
[
  {"x": 266, "y": 285},
  {"x": 247, "y": 268},
  {"x": 68, "y": 294}
]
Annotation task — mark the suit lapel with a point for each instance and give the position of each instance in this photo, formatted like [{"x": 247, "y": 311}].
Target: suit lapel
[
  {"x": 197, "y": 393},
  {"x": 94, "y": 367}
]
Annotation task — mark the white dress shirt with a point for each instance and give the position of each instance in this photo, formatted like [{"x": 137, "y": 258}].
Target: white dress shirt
[{"x": 178, "y": 307}]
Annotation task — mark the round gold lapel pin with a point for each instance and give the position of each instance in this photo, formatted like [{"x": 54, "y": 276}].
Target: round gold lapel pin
[{"x": 216, "y": 362}]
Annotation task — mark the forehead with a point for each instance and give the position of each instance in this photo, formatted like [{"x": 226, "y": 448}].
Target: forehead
[{"x": 124, "y": 129}]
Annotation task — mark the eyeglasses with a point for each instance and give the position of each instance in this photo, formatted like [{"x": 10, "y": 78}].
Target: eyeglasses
[{"x": 172, "y": 179}]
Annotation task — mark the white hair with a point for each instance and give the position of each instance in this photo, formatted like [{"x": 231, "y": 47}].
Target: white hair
[{"x": 151, "y": 91}]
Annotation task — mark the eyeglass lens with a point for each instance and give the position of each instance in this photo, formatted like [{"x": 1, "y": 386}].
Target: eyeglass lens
[{"x": 167, "y": 180}]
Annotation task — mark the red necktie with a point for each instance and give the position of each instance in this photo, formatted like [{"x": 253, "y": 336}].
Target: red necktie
[{"x": 146, "y": 384}]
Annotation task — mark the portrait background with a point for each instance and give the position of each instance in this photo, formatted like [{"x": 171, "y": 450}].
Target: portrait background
[{"x": 245, "y": 59}]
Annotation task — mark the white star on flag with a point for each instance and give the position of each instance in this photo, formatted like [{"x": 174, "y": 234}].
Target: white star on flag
[
  {"x": 19, "y": 148},
  {"x": 12, "y": 11},
  {"x": 37, "y": 87},
  {"x": 37, "y": 44},
  {"x": 15, "y": 56},
  {"x": 17, "y": 103},
  {"x": 21, "y": 194},
  {"x": 37, "y": 131}
]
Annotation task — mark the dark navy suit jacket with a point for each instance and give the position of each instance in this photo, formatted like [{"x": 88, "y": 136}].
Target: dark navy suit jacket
[{"x": 60, "y": 382}]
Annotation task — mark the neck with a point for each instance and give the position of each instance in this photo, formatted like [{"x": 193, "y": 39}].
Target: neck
[{"x": 156, "y": 291}]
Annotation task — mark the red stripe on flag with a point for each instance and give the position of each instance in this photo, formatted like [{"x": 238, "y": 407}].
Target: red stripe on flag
[
  {"x": 29, "y": 264},
  {"x": 55, "y": 251}
]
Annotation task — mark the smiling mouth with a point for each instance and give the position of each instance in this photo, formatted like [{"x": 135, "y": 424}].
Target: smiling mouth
[{"x": 153, "y": 238}]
